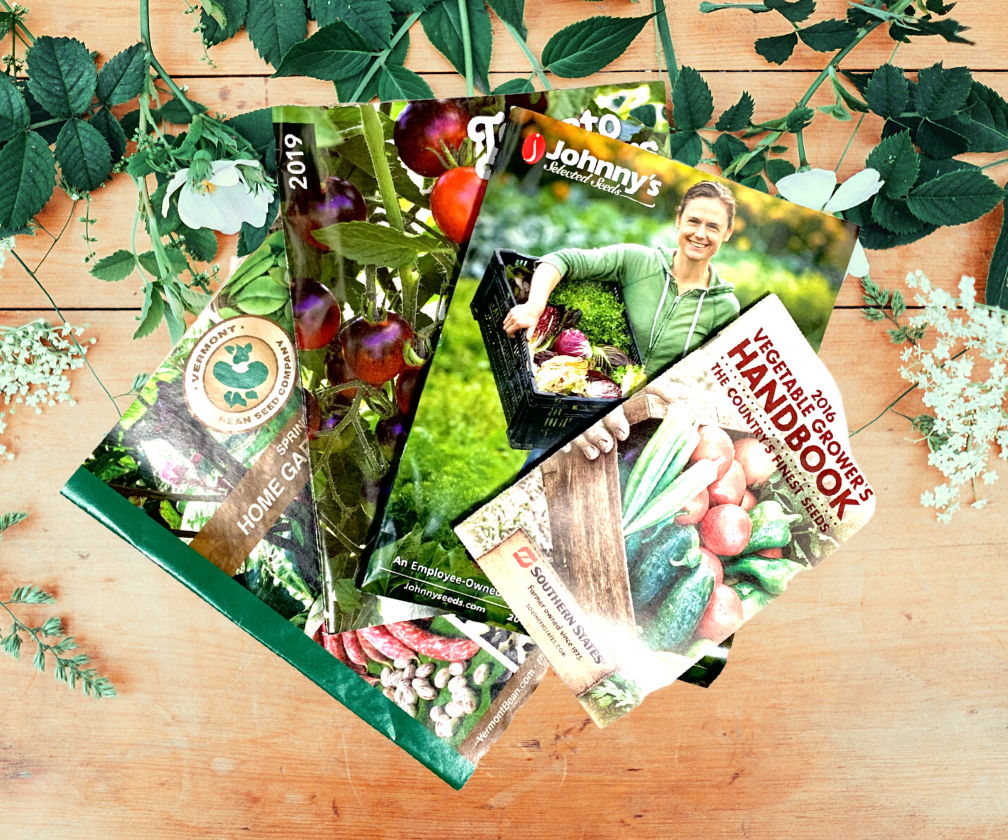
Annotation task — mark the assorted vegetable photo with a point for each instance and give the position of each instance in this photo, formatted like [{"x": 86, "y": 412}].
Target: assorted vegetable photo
[{"x": 594, "y": 265}]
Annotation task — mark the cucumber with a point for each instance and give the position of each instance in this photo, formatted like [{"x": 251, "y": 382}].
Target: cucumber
[
  {"x": 671, "y": 548},
  {"x": 675, "y": 622}
]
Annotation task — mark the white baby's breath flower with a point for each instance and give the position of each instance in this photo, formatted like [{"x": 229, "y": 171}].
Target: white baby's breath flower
[{"x": 219, "y": 196}]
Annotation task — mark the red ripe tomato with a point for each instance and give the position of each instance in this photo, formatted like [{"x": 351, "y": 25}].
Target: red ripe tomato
[
  {"x": 455, "y": 201},
  {"x": 421, "y": 129},
  {"x": 316, "y": 313},
  {"x": 404, "y": 386},
  {"x": 340, "y": 202},
  {"x": 723, "y": 616},
  {"x": 338, "y": 373},
  {"x": 313, "y": 417},
  {"x": 374, "y": 352}
]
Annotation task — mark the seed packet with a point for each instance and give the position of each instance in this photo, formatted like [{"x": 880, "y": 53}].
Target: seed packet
[
  {"x": 377, "y": 205},
  {"x": 207, "y": 473},
  {"x": 736, "y": 476},
  {"x": 566, "y": 304}
]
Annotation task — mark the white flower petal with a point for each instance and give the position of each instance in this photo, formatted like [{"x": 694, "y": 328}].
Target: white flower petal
[
  {"x": 178, "y": 179},
  {"x": 199, "y": 210},
  {"x": 854, "y": 190},
  {"x": 858, "y": 265},
  {"x": 810, "y": 189},
  {"x": 224, "y": 173}
]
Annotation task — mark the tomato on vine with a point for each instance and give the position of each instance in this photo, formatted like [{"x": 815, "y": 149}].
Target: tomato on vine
[
  {"x": 374, "y": 352},
  {"x": 455, "y": 202},
  {"x": 341, "y": 201},
  {"x": 338, "y": 374},
  {"x": 316, "y": 313},
  {"x": 421, "y": 129},
  {"x": 404, "y": 385}
]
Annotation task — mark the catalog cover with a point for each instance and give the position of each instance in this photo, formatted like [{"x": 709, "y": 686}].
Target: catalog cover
[
  {"x": 377, "y": 205},
  {"x": 207, "y": 473},
  {"x": 735, "y": 476},
  {"x": 594, "y": 266}
]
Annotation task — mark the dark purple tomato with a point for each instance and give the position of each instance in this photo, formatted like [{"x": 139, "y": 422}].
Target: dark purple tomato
[
  {"x": 313, "y": 417},
  {"x": 341, "y": 202},
  {"x": 390, "y": 431},
  {"x": 421, "y": 129},
  {"x": 404, "y": 385},
  {"x": 338, "y": 373},
  {"x": 375, "y": 351},
  {"x": 316, "y": 313}
]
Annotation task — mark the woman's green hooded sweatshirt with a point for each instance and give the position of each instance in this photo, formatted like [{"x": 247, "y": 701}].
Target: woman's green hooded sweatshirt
[{"x": 663, "y": 321}]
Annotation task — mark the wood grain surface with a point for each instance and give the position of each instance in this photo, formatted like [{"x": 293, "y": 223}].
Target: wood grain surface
[{"x": 868, "y": 702}]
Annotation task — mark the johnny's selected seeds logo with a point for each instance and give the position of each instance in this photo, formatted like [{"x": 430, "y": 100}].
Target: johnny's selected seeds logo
[{"x": 240, "y": 374}]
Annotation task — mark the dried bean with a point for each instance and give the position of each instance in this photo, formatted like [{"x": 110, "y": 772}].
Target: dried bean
[
  {"x": 441, "y": 678},
  {"x": 481, "y": 673},
  {"x": 456, "y": 668}
]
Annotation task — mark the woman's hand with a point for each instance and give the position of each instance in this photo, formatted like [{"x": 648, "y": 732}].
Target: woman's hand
[{"x": 524, "y": 316}]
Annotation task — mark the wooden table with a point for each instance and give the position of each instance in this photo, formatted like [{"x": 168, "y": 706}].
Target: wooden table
[{"x": 868, "y": 702}]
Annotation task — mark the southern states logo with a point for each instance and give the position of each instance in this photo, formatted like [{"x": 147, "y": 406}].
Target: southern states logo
[
  {"x": 525, "y": 557},
  {"x": 240, "y": 374}
]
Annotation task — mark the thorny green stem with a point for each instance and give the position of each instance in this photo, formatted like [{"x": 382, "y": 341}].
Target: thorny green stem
[
  {"x": 537, "y": 68},
  {"x": 991, "y": 165},
  {"x": 802, "y": 162},
  {"x": 665, "y": 36},
  {"x": 463, "y": 7},
  {"x": 146, "y": 38},
  {"x": 383, "y": 56},
  {"x": 73, "y": 338}
]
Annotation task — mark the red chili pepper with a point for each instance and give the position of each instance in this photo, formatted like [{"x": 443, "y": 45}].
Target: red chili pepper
[
  {"x": 445, "y": 648},
  {"x": 372, "y": 652},
  {"x": 334, "y": 645},
  {"x": 388, "y": 644},
  {"x": 354, "y": 651}
]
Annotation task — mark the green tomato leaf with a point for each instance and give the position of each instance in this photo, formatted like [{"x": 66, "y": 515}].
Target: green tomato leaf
[
  {"x": 692, "y": 103},
  {"x": 122, "y": 76},
  {"x": 371, "y": 20},
  {"x": 955, "y": 198},
  {"x": 941, "y": 92},
  {"x": 61, "y": 75},
  {"x": 686, "y": 147},
  {"x": 400, "y": 83},
  {"x": 275, "y": 26},
  {"x": 515, "y": 86},
  {"x": 333, "y": 53},
  {"x": 14, "y": 115},
  {"x": 585, "y": 47},
  {"x": 778, "y": 48},
  {"x": 442, "y": 24},
  {"x": 795, "y": 12},
  {"x": 738, "y": 115},
  {"x": 897, "y": 162},
  {"x": 512, "y": 12},
  {"x": 84, "y": 156},
  {"x": 828, "y": 35},
  {"x": 886, "y": 93},
  {"x": 108, "y": 127},
  {"x": 894, "y": 216},
  {"x": 372, "y": 244},
  {"x": 987, "y": 127},
  {"x": 997, "y": 274},
  {"x": 214, "y": 32},
  {"x": 115, "y": 267},
  {"x": 27, "y": 179}
]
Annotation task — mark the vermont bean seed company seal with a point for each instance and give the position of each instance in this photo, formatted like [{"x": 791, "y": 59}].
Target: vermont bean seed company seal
[{"x": 240, "y": 374}]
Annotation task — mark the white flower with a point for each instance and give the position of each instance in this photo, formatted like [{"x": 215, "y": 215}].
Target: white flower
[
  {"x": 221, "y": 201},
  {"x": 815, "y": 189}
]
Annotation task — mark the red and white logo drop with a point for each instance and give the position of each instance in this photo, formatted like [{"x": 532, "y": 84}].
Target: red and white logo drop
[{"x": 533, "y": 148}]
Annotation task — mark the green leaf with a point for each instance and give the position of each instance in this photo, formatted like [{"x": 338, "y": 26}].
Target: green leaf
[
  {"x": 887, "y": 93},
  {"x": 61, "y": 75},
  {"x": 685, "y": 147},
  {"x": 738, "y": 115},
  {"x": 275, "y": 26},
  {"x": 727, "y": 148},
  {"x": 201, "y": 242},
  {"x": 347, "y": 87},
  {"x": 250, "y": 237},
  {"x": 514, "y": 86},
  {"x": 262, "y": 296},
  {"x": 115, "y": 267},
  {"x": 897, "y": 163},
  {"x": 997, "y": 274},
  {"x": 692, "y": 103},
  {"x": 778, "y": 168},
  {"x": 333, "y": 53},
  {"x": 122, "y": 76},
  {"x": 955, "y": 198},
  {"x": 372, "y": 244},
  {"x": 31, "y": 594},
  {"x": 795, "y": 12},
  {"x": 84, "y": 157},
  {"x": 987, "y": 127},
  {"x": 778, "y": 48},
  {"x": 400, "y": 83},
  {"x": 944, "y": 139},
  {"x": 941, "y": 92},
  {"x": 14, "y": 115},
  {"x": 585, "y": 47},
  {"x": 151, "y": 312},
  {"x": 894, "y": 216},
  {"x": 176, "y": 113},
  {"x": 10, "y": 519},
  {"x": 234, "y": 12},
  {"x": 442, "y": 24},
  {"x": 108, "y": 127},
  {"x": 798, "y": 119},
  {"x": 645, "y": 115},
  {"x": 27, "y": 179},
  {"x": 512, "y": 12},
  {"x": 848, "y": 98},
  {"x": 371, "y": 20},
  {"x": 828, "y": 35}
]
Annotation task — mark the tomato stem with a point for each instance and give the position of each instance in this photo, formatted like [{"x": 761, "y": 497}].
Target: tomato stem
[{"x": 374, "y": 136}]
